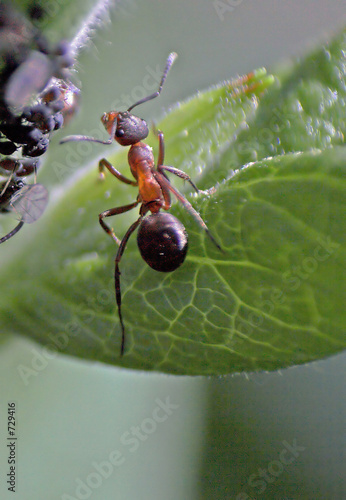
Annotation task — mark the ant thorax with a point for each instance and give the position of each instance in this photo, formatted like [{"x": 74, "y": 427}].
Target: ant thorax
[{"x": 141, "y": 159}]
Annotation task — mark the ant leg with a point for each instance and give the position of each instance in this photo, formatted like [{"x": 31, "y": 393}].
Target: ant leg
[
  {"x": 117, "y": 274},
  {"x": 170, "y": 60},
  {"x": 12, "y": 233},
  {"x": 76, "y": 138},
  {"x": 161, "y": 167},
  {"x": 110, "y": 213},
  {"x": 161, "y": 156},
  {"x": 105, "y": 164},
  {"x": 178, "y": 173},
  {"x": 167, "y": 186}
]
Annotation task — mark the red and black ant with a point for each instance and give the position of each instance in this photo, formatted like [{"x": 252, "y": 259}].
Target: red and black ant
[{"x": 162, "y": 238}]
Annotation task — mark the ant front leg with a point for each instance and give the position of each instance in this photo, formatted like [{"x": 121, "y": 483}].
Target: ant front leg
[
  {"x": 110, "y": 213},
  {"x": 162, "y": 168},
  {"x": 105, "y": 164}
]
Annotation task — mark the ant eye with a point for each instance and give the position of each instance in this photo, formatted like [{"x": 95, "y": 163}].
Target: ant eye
[
  {"x": 120, "y": 132},
  {"x": 162, "y": 241}
]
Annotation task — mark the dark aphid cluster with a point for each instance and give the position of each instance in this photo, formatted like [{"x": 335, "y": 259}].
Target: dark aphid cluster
[
  {"x": 34, "y": 97},
  {"x": 162, "y": 239}
]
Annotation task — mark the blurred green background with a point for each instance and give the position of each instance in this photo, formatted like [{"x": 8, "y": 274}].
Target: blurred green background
[{"x": 224, "y": 437}]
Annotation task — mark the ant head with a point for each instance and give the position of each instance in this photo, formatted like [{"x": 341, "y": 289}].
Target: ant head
[
  {"x": 162, "y": 241},
  {"x": 123, "y": 126},
  {"x": 126, "y": 128}
]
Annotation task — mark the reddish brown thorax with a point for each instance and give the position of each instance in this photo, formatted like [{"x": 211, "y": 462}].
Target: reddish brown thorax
[{"x": 142, "y": 165}]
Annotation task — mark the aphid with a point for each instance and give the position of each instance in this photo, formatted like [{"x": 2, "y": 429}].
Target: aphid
[
  {"x": 20, "y": 133},
  {"x": 62, "y": 98},
  {"x": 27, "y": 201},
  {"x": 41, "y": 116},
  {"x": 28, "y": 65},
  {"x": 19, "y": 167},
  {"x": 28, "y": 80},
  {"x": 162, "y": 239},
  {"x": 27, "y": 117},
  {"x": 36, "y": 11},
  {"x": 7, "y": 147}
]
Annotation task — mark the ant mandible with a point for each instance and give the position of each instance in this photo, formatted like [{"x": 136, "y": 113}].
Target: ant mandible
[{"x": 162, "y": 238}]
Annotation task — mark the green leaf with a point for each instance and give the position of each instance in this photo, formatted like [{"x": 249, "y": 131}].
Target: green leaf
[{"x": 272, "y": 299}]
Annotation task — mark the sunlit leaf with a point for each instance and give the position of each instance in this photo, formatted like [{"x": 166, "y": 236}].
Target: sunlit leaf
[{"x": 272, "y": 299}]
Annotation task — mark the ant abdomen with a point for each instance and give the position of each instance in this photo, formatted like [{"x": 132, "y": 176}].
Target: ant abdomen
[{"x": 162, "y": 241}]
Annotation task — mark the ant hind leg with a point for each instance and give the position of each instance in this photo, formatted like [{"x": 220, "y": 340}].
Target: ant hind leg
[{"x": 117, "y": 274}]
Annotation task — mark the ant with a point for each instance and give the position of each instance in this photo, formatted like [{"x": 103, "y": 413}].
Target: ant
[{"x": 162, "y": 239}]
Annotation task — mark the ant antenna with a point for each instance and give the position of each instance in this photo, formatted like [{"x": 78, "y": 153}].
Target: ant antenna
[
  {"x": 78, "y": 138},
  {"x": 110, "y": 119},
  {"x": 170, "y": 60}
]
